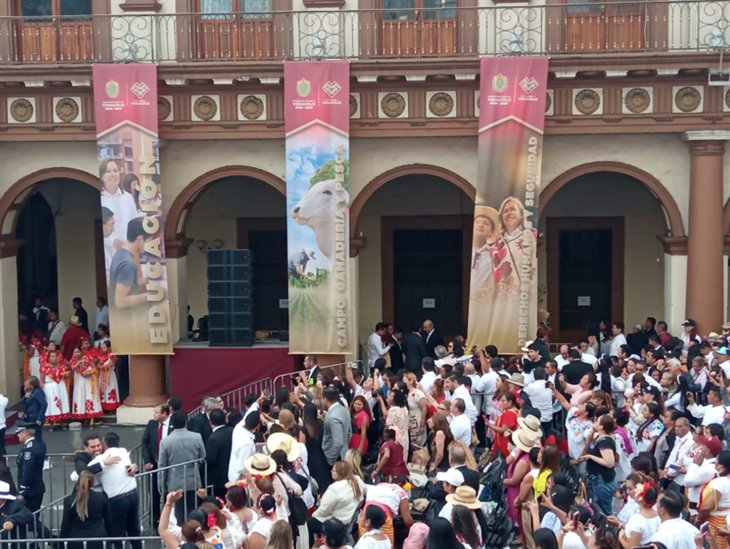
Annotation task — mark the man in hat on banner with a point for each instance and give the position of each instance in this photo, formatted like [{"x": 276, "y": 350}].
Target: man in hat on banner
[
  {"x": 72, "y": 337},
  {"x": 298, "y": 264}
]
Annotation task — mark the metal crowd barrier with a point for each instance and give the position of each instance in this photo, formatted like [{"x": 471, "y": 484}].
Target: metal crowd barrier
[
  {"x": 29, "y": 542},
  {"x": 285, "y": 380},
  {"x": 48, "y": 518}
]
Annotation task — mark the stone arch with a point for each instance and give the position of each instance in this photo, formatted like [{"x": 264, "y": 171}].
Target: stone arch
[
  {"x": 410, "y": 169},
  {"x": 659, "y": 191},
  {"x": 13, "y": 200},
  {"x": 177, "y": 216}
]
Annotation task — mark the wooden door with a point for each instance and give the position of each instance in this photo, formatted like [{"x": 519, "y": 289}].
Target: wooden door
[
  {"x": 246, "y": 31},
  {"x": 603, "y": 27},
  {"x": 418, "y": 27},
  {"x": 55, "y": 30}
]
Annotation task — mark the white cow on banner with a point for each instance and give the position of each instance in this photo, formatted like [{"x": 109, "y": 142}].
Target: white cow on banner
[{"x": 317, "y": 209}]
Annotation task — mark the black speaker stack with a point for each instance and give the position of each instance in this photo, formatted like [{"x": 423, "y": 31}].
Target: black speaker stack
[{"x": 230, "y": 298}]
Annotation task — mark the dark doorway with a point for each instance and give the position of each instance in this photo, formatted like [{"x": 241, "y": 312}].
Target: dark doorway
[
  {"x": 37, "y": 265},
  {"x": 266, "y": 237},
  {"x": 585, "y": 274},
  {"x": 428, "y": 276}
]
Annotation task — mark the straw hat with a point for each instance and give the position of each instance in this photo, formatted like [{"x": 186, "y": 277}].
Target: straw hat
[
  {"x": 531, "y": 423},
  {"x": 466, "y": 496},
  {"x": 74, "y": 320},
  {"x": 260, "y": 465},
  {"x": 525, "y": 439},
  {"x": 489, "y": 212},
  {"x": 517, "y": 379},
  {"x": 285, "y": 442}
]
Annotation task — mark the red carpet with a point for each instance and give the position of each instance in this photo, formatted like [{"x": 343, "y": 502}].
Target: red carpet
[{"x": 198, "y": 371}]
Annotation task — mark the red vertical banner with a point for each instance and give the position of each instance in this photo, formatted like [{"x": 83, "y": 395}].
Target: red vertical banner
[
  {"x": 317, "y": 122},
  {"x": 125, "y": 99},
  {"x": 503, "y": 290}
]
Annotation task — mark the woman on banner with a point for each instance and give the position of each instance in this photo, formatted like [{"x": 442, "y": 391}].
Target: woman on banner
[
  {"x": 119, "y": 202},
  {"x": 519, "y": 242},
  {"x": 485, "y": 235}
]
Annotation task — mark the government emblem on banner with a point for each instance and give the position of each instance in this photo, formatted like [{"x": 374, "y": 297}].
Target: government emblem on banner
[
  {"x": 529, "y": 84},
  {"x": 499, "y": 83},
  {"x": 304, "y": 87},
  {"x": 112, "y": 89}
]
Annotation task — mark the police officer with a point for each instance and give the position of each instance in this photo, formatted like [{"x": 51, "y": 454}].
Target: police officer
[
  {"x": 14, "y": 516},
  {"x": 30, "y": 466}
]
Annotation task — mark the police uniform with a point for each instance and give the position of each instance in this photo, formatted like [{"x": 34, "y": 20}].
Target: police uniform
[{"x": 30, "y": 473}]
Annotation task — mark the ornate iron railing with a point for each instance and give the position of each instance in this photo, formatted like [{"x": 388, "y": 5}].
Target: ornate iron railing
[{"x": 569, "y": 28}]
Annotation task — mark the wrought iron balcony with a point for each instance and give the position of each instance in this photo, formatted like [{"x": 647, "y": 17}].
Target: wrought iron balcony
[{"x": 570, "y": 28}]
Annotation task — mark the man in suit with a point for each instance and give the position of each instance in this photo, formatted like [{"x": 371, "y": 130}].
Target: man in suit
[
  {"x": 200, "y": 423},
  {"x": 432, "y": 338},
  {"x": 80, "y": 312},
  {"x": 575, "y": 368},
  {"x": 415, "y": 349},
  {"x": 218, "y": 452},
  {"x": 30, "y": 466},
  {"x": 156, "y": 430},
  {"x": 177, "y": 450},
  {"x": 395, "y": 338},
  {"x": 337, "y": 427}
]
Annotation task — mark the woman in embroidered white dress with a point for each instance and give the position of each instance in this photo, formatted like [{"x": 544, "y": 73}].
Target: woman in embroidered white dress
[
  {"x": 53, "y": 377},
  {"x": 86, "y": 402},
  {"x": 108, "y": 384}
]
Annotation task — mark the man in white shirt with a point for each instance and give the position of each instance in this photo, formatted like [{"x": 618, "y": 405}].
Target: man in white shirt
[
  {"x": 714, "y": 412},
  {"x": 675, "y": 469},
  {"x": 453, "y": 385},
  {"x": 121, "y": 489},
  {"x": 56, "y": 327},
  {"x": 101, "y": 315},
  {"x": 489, "y": 383},
  {"x": 561, "y": 359},
  {"x": 541, "y": 397},
  {"x": 617, "y": 329},
  {"x": 674, "y": 532},
  {"x": 429, "y": 375},
  {"x": 459, "y": 422},
  {"x": 243, "y": 444},
  {"x": 376, "y": 348},
  {"x": 700, "y": 468}
]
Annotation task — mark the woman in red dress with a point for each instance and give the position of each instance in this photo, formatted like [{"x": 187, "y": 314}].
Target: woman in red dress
[
  {"x": 361, "y": 419},
  {"x": 506, "y": 423}
]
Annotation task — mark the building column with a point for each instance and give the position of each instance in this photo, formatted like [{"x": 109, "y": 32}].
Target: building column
[
  {"x": 675, "y": 281},
  {"x": 176, "y": 252},
  {"x": 705, "y": 236},
  {"x": 11, "y": 379}
]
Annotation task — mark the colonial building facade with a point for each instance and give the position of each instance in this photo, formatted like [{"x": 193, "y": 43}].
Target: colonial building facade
[{"x": 634, "y": 196}]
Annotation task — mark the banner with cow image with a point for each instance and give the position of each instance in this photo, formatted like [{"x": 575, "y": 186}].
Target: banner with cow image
[
  {"x": 503, "y": 290},
  {"x": 317, "y": 121},
  {"x": 125, "y": 98}
]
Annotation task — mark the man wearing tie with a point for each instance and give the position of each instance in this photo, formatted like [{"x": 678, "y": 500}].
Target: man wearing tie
[
  {"x": 157, "y": 429},
  {"x": 432, "y": 338}
]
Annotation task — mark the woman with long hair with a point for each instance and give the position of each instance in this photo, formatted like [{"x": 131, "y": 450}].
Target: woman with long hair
[
  {"x": 130, "y": 185},
  {"x": 35, "y": 403},
  {"x": 53, "y": 376},
  {"x": 440, "y": 437},
  {"x": 600, "y": 458},
  {"x": 340, "y": 500},
  {"x": 362, "y": 417},
  {"x": 417, "y": 411},
  {"x": 354, "y": 458},
  {"x": 280, "y": 536},
  {"x": 642, "y": 525},
  {"x": 222, "y": 526},
  {"x": 108, "y": 383},
  {"x": 650, "y": 428},
  {"x": 441, "y": 536},
  {"x": 316, "y": 460},
  {"x": 583, "y": 391},
  {"x": 119, "y": 202},
  {"x": 396, "y": 416},
  {"x": 86, "y": 402},
  {"x": 86, "y": 515},
  {"x": 544, "y": 538},
  {"x": 465, "y": 527}
]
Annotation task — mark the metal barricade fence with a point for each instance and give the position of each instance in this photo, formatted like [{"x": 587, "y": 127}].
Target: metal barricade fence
[
  {"x": 48, "y": 518},
  {"x": 29, "y": 542},
  {"x": 287, "y": 380}
]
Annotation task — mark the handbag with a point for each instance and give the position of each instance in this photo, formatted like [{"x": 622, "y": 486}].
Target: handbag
[{"x": 297, "y": 507}]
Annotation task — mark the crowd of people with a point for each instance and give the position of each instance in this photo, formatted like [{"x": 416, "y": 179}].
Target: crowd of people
[
  {"x": 69, "y": 372},
  {"x": 463, "y": 449}
]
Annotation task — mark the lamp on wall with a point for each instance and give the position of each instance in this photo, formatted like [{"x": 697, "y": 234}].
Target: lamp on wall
[{"x": 203, "y": 245}]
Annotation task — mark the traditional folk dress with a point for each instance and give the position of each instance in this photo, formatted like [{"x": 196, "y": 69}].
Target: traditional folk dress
[
  {"x": 54, "y": 385},
  {"x": 108, "y": 385},
  {"x": 32, "y": 359},
  {"x": 86, "y": 401}
]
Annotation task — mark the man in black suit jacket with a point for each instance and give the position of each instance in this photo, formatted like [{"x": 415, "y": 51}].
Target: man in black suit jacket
[
  {"x": 432, "y": 338},
  {"x": 575, "y": 368},
  {"x": 396, "y": 348},
  {"x": 80, "y": 312},
  {"x": 200, "y": 423},
  {"x": 218, "y": 452},
  {"x": 151, "y": 451},
  {"x": 415, "y": 349}
]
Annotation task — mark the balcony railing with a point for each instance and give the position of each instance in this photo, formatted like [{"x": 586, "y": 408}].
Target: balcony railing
[{"x": 570, "y": 28}]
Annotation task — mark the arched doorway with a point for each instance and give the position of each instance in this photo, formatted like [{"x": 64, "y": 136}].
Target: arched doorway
[
  {"x": 602, "y": 258},
  {"x": 416, "y": 224},
  {"x": 235, "y": 207}
]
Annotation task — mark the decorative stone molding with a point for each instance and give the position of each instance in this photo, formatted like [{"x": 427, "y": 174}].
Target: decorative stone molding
[
  {"x": 252, "y": 107},
  {"x": 177, "y": 248},
  {"x": 205, "y": 108},
  {"x": 392, "y": 105},
  {"x": 726, "y": 103},
  {"x": 9, "y": 247},
  {"x": 140, "y": 5},
  {"x": 587, "y": 101},
  {"x": 337, "y": 4},
  {"x": 549, "y": 103},
  {"x": 355, "y": 105},
  {"x": 66, "y": 109},
  {"x": 164, "y": 108},
  {"x": 686, "y": 99},
  {"x": 674, "y": 245},
  {"x": 637, "y": 100},
  {"x": 441, "y": 104},
  {"x": 21, "y": 110}
]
